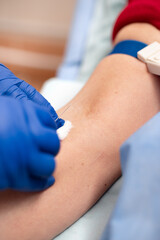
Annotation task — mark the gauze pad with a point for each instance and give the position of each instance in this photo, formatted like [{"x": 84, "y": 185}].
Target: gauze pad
[{"x": 64, "y": 130}]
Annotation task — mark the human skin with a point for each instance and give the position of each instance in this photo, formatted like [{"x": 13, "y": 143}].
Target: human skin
[{"x": 119, "y": 97}]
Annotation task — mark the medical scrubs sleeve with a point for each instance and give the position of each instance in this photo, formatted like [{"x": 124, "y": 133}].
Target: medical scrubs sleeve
[{"x": 137, "y": 212}]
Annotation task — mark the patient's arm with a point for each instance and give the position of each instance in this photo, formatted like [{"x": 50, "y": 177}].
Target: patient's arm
[{"x": 119, "y": 97}]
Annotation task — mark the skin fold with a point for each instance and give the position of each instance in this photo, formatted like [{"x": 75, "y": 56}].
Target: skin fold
[{"x": 119, "y": 97}]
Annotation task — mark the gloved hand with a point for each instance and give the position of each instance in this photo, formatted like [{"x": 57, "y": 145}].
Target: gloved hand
[
  {"x": 12, "y": 86},
  {"x": 28, "y": 142}
]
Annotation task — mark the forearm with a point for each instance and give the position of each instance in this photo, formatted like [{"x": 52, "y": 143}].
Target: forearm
[{"x": 119, "y": 97}]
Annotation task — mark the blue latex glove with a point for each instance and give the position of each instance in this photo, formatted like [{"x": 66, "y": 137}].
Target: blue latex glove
[
  {"x": 28, "y": 142},
  {"x": 12, "y": 86},
  {"x": 137, "y": 212}
]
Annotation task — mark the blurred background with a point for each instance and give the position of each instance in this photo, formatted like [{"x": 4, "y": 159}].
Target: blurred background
[{"x": 33, "y": 37}]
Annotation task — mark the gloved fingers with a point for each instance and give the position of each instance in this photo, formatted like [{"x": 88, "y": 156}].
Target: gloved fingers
[
  {"x": 15, "y": 92},
  {"x": 48, "y": 141},
  {"x": 60, "y": 122},
  {"x": 7, "y": 79},
  {"x": 45, "y": 118},
  {"x": 36, "y": 97},
  {"x": 41, "y": 184},
  {"x": 30, "y": 91},
  {"x": 42, "y": 165},
  {"x": 52, "y": 112}
]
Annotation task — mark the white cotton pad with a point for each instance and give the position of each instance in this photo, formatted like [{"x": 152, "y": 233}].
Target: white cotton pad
[{"x": 64, "y": 130}]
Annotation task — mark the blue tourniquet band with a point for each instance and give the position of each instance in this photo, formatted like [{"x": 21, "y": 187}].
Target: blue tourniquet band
[{"x": 129, "y": 47}]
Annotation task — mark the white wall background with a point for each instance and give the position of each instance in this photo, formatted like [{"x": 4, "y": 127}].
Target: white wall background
[{"x": 47, "y": 18}]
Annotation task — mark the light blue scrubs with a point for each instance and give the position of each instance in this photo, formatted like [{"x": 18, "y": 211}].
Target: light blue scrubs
[
  {"x": 77, "y": 41},
  {"x": 137, "y": 212}
]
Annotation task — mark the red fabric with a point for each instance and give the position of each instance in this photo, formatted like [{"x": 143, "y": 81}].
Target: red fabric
[{"x": 139, "y": 11}]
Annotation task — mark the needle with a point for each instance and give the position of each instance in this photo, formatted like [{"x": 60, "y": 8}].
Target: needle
[{"x": 62, "y": 113}]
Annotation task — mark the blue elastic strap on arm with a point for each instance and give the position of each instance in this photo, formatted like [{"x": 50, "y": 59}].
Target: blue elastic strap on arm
[{"x": 128, "y": 47}]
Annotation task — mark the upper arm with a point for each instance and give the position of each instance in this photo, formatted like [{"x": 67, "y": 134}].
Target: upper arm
[
  {"x": 140, "y": 20},
  {"x": 138, "y": 11}
]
